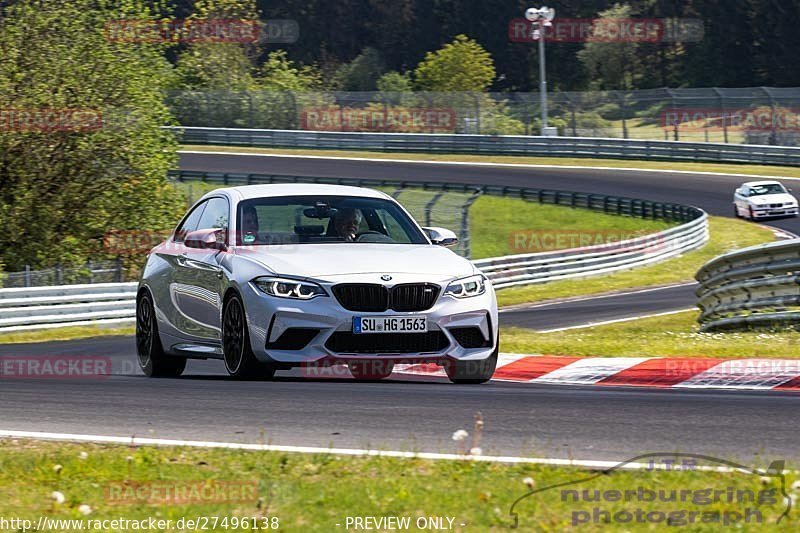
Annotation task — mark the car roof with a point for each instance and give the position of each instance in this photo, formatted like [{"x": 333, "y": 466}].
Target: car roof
[
  {"x": 754, "y": 183},
  {"x": 247, "y": 192}
]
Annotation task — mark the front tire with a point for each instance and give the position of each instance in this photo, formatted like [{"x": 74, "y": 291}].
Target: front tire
[
  {"x": 472, "y": 372},
  {"x": 150, "y": 353},
  {"x": 240, "y": 361}
]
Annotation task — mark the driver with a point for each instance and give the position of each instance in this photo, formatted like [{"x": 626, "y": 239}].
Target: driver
[
  {"x": 346, "y": 222},
  {"x": 249, "y": 223}
]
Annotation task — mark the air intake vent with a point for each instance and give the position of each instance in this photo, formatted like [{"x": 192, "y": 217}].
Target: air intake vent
[
  {"x": 346, "y": 342},
  {"x": 470, "y": 337},
  {"x": 293, "y": 339},
  {"x": 366, "y": 297},
  {"x": 362, "y": 297}
]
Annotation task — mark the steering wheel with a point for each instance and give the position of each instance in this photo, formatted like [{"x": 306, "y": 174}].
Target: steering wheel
[{"x": 369, "y": 232}]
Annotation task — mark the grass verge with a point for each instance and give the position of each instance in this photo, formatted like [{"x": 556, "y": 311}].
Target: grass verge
[
  {"x": 319, "y": 492},
  {"x": 727, "y": 168},
  {"x": 725, "y": 235},
  {"x": 675, "y": 335},
  {"x": 63, "y": 334},
  {"x": 505, "y": 226}
]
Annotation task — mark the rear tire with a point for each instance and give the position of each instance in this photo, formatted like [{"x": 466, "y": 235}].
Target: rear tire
[
  {"x": 370, "y": 370},
  {"x": 153, "y": 361},
  {"x": 240, "y": 361},
  {"x": 736, "y": 211},
  {"x": 472, "y": 372}
]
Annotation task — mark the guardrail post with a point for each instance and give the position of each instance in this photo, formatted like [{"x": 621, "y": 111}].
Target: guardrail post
[
  {"x": 118, "y": 273},
  {"x": 624, "y": 109},
  {"x": 91, "y": 272},
  {"x": 27, "y": 275},
  {"x": 59, "y": 274}
]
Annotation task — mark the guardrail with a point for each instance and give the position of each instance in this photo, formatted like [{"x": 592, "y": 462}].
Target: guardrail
[
  {"x": 496, "y": 145},
  {"x": 754, "y": 287},
  {"x": 67, "y": 305}
]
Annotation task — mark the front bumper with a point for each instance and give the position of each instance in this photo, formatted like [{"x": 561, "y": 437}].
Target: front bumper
[
  {"x": 764, "y": 212},
  {"x": 269, "y": 317}
]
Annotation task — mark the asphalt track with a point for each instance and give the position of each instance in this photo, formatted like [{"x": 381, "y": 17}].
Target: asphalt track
[
  {"x": 599, "y": 423},
  {"x": 521, "y": 419}
]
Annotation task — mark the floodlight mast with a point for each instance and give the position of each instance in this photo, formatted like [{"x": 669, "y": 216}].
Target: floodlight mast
[{"x": 541, "y": 18}]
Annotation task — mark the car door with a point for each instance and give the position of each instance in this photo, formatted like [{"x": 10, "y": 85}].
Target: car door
[
  {"x": 740, "y": 199},
  {"x": 197, "y": 281},
  {"x": 165, "y": 263}
]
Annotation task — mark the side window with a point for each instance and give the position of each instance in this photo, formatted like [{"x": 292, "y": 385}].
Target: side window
[
  {"x": 215, "y": 214},
  {"x": 190, "y": 223},
  {"x": 745, "y": 192}
]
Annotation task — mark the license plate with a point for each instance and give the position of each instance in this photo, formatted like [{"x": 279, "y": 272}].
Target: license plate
[{"x": 390, "y": 324}]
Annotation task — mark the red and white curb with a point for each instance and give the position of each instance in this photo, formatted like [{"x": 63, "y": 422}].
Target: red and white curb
[{"x": 661, "y": 372}]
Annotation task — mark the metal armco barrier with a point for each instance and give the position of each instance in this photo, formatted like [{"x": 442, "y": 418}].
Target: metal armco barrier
[
  {"x": 757, "y": 286},
  {"x": 495, "y": 144},
  {"x": 67, "y": 305}
]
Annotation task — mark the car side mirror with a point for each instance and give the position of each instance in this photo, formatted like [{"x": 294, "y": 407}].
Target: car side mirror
[
  {"x": 207, "y": 239},
  {"x": 441, "y": 236}
]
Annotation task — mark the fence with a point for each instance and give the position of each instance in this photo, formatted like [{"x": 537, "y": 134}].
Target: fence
[
  {"x": 498, "y": 145},
  {"x": 754, "y": 115},
  {"x": 92, "y": 272},
  {"x": 753, "y": 287}
]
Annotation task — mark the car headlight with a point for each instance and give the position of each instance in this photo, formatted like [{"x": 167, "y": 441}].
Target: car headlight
[
  {"x": 467, "y": 287},
  {"x": 289, "y": 288}
]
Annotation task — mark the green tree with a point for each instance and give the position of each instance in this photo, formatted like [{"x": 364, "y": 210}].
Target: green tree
[
  {"x": 462, "y": 65},
  {"x": 362, "y": 73},
  {"x": 63, "y": 188},
  {"x": 220, "y": 65},
  {"x": 394, "y": 82},
  {"x": 279, "y": 73},
  {"x": 612, "y": 65}
]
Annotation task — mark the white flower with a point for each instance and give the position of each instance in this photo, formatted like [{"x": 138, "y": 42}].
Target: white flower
[
  {"x": 796, "y": 485},
  {"x": 475, "y": 451},
  {"x": 57, "y": 497},
  {"x": 57, "y": 468},
  {"x": 529, "y": 482},
  {"x": 764, "y": 480},
  {"x": 83, "y": 455},
  {"x": 84, "y": 509},
  {"x": 460, "y": 435},
  {"x": 129, "y": 458}
]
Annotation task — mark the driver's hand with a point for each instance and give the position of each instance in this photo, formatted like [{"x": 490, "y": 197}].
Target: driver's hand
[{"x": 350, "y": 237}]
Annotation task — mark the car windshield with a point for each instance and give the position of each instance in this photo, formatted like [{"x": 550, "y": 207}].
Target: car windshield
[
  {"x": 324, "y": 219},
  {"x": 769, "y": 188}
]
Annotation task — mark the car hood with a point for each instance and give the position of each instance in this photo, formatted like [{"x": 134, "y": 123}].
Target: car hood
[
  {"x": 322, "y": 260},
  {"x": 781, "y": 198}
]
